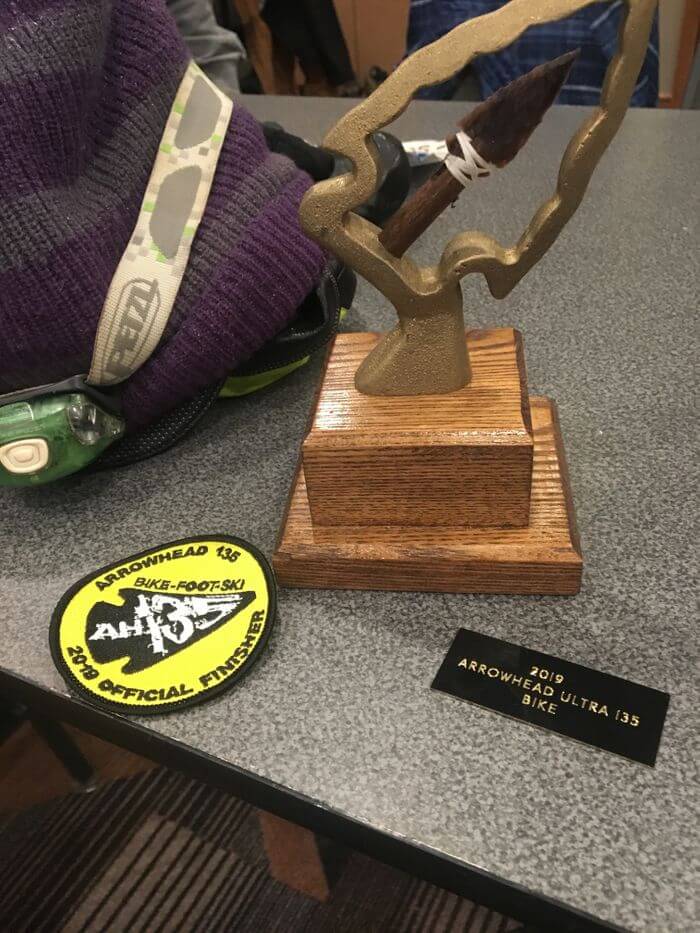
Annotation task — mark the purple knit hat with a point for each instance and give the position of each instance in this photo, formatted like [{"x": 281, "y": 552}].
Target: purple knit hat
[{"x": 86, "y": 87}]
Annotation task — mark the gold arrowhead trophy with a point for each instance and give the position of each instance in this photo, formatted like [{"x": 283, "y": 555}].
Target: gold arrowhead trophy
[{"x": 427, "y": 466}]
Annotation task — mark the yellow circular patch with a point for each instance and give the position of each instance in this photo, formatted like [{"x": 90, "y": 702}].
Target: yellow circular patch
[{"x": 165, "y": 628}]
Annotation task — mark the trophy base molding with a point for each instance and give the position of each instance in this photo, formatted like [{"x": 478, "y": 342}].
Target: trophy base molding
[{"x": 361, "y": 443}]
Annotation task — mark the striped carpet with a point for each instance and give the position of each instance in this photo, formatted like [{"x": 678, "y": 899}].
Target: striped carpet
[{"x": 161, "y": 852}]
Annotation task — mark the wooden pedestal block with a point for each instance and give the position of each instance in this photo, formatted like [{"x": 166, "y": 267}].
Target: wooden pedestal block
[
  {"x": 459, "y": 459},
  {"x": 372, "y": 535}
]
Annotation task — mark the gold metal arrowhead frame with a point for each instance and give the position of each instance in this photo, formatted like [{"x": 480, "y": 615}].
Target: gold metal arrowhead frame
[{"x": 425, "y": 353}]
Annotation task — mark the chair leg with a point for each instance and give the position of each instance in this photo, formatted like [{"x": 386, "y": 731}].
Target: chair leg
[
  {"x": 293, "y": 856},
  {"x": 12, "y": 715},
  {"x": 65, "y": 749}
]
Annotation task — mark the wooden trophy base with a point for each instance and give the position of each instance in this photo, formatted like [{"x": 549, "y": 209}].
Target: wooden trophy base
[{"x": 463, "y": 493}]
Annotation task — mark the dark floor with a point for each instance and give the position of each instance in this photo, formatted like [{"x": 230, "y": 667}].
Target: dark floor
[{"x": 145, "y": 848}]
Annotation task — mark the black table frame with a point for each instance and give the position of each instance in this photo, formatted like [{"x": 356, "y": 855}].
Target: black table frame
[{"x": 432, "y": 866}]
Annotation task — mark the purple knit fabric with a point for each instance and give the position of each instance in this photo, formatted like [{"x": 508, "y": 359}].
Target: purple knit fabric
[{"x": 85, "y": 89}]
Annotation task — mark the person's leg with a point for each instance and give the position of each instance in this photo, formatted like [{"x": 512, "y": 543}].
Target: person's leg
[{"x": 324, "y": 29}]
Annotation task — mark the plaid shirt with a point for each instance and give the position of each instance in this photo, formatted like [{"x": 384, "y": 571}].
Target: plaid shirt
[{"x": 593, "y": 30}]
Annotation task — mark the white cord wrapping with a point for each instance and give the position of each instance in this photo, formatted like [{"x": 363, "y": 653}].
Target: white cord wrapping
[{"x": 469, "y": 165}]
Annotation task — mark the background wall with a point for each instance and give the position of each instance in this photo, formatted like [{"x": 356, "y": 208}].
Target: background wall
[{"x": 375, "y": 32}]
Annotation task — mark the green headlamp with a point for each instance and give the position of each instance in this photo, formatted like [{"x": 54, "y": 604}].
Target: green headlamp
[{"x": 52, "y": 431}]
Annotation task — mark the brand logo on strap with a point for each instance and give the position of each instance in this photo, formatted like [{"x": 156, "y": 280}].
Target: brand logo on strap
[{"x": 137, "y": 310}]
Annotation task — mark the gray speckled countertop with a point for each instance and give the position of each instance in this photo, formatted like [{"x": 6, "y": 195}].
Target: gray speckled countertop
[{"x": 339, "y": 710}]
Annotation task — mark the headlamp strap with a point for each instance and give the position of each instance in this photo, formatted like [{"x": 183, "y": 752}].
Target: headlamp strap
[{"x": 142, "y": 293}]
